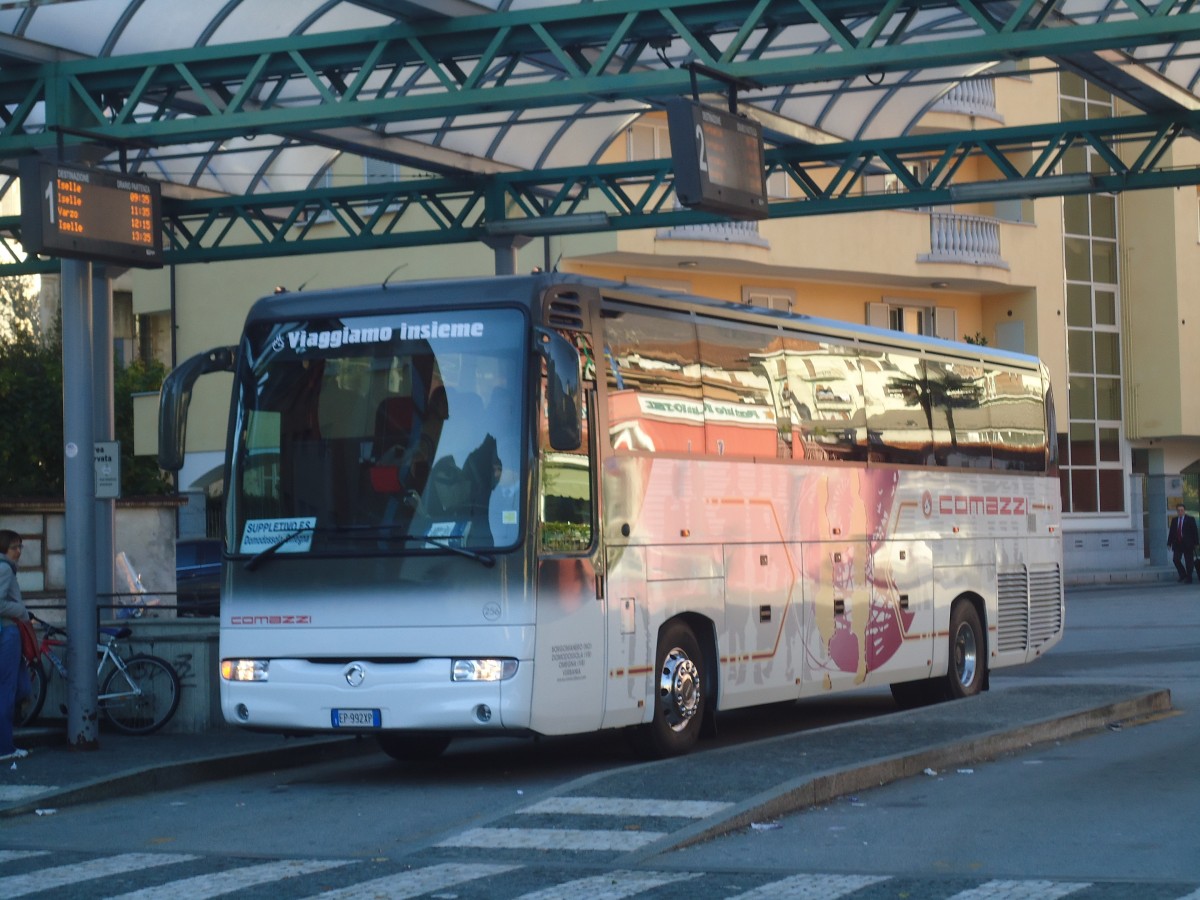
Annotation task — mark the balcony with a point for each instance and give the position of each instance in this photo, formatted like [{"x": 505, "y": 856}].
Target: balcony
[
  {"x": 976, "y": 97},
  {"x": 957, "y": 238},
  {"x": 717, "y": 232}
]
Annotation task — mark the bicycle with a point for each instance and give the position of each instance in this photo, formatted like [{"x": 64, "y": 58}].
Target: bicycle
[{"x": 138, "y": 694}]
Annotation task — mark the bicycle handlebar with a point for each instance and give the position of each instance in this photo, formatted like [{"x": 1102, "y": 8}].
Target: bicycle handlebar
[{"x": 49, "y": 630}]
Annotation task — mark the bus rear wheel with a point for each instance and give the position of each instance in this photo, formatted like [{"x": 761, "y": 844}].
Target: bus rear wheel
[
  {"x": 968, "y": 652},
  {"x": 967, "y": 669},
  {"x": 413, "y": 747},
  {"x": 680, "y": 701}
]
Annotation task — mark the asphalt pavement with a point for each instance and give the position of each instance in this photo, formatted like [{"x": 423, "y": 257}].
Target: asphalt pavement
[{"x": 751, "y": 783}]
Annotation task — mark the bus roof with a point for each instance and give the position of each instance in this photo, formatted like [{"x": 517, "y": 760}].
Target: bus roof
[{"x": 526, "y": 290}]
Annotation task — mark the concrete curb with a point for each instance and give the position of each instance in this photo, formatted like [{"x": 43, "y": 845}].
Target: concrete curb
[
  {"x": 821, "y": 787},
  {"x": 169, "y": 775}
]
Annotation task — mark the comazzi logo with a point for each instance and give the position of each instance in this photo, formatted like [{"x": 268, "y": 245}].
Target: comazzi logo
[{"x": 973, "y": 505}]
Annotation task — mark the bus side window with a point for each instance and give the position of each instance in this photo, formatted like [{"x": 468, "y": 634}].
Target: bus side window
[
  {"x": 655, "y": 402},
  {"x": 564, "y": 490}
]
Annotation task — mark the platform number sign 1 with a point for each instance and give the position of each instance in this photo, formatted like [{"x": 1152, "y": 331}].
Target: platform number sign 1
[{"x": 80, "y": 212}]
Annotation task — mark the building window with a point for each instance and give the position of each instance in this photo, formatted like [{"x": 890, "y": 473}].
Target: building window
[
  {"x": 648, "y": 140},
  {"x": 1092, "y": 450},
  {"x": 914, "y": 317},
  {"x": 779, "y": 299}
]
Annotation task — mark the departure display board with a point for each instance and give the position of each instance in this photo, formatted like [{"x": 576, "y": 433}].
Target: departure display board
[
  {"x": 85, "y": 213},
  {"x": 718, "y": 159}
]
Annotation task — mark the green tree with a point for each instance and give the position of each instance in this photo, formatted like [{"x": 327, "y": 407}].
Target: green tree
[
  {"x": 140, "y": 475},
  {"x": 19, "y": 310},
  {"x": 31, "y": 406},
  {"x": 31, "y": 455}
]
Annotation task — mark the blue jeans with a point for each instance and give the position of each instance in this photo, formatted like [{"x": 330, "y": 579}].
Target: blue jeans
[{"x": 10, "y": 670}]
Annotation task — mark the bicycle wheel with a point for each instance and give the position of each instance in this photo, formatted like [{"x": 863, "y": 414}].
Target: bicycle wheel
[
  {"x": 30, "y": 708},
  {"x": 146, "y": 695}
]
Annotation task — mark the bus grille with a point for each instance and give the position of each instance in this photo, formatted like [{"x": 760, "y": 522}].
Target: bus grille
[{"x": 1030, "y": 606}]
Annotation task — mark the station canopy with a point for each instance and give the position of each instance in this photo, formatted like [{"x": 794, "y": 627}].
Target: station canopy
[{"x": 515, "y": 101}]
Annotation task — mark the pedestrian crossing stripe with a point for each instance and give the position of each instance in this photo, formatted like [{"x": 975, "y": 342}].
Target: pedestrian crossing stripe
[
  {"x": 610, "y": 886},
  {"x": 1022, "y": 890},
  {"x": 627, "y": 806},
  {"x": 217, "y": 883},
  {"x": 811, "y": 887},
  {"x": 551, "y": 839},
  {"x": 415, "y": 883},
  {"x": 61, "y": 876}
]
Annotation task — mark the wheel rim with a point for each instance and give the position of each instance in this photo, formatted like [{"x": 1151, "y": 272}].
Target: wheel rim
[
  {"x": 679, "y": 689},
  {"x": 966, "y": 655}
]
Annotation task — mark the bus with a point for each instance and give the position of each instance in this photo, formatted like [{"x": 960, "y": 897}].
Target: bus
[{"x": 549, "y": 504}]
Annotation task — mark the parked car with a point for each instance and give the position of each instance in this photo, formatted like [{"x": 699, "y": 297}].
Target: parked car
[{"x": 198, "y": 577}]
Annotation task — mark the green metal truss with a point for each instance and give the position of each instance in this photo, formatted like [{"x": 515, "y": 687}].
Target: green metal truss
[
  {"x": 826, "y": 179},
  {"x": 298, "y": 85},
  {"x": 295, "y": 84}
]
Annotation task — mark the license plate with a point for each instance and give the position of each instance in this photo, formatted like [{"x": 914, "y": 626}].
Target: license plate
[{"x": 356, "y": 718}]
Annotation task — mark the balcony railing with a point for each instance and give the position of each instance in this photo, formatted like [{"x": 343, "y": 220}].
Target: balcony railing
[
  {"x": 974, "y": 97},
  {"x": 718, "y": 232},
  {"x": 956, "y": 238}
]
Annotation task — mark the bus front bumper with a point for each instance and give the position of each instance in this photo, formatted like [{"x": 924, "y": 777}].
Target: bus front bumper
[{"x": 307, "y": 695}]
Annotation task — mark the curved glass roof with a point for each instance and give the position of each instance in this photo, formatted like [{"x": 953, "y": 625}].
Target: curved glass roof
[{"x": 861, "y": 105}]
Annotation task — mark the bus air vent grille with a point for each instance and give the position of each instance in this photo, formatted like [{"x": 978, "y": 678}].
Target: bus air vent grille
[
  {"x": 1045, "y": 603},
  {"x": 1012, "y": 591},
  {"x": 562, "y": 307}
]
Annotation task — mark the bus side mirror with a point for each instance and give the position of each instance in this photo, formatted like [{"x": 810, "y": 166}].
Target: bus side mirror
[
  {"x": 176, "y": 395},
  {"x": 563, "y": 401}
]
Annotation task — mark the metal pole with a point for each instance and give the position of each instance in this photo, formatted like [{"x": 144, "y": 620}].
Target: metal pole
[
  {"x": 80, "y": 490},
  {"x": 505, "y": 248},
  {"x": 105, "y": 423}
]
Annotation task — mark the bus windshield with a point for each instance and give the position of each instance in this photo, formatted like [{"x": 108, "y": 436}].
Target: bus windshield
[{"x": 379, "y": 433}]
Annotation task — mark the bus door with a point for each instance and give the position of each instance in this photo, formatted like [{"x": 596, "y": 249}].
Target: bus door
[
  {"x": 569, "y": 668},
  {"x": 569, "y": 655},
  {"x": 901, "y": 630},
  {"x": 838, "y": 613}
]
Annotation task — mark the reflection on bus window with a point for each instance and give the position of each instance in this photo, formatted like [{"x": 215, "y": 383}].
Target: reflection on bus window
[
  {"x": 958, "y": 413},
  {"x": 377, "y": 427},
  {"x": 1018, "y": 414},
  {"x": 899, "y": 412},
  {"x": 565, "y": 493},
  {"x": 739, "y": 415},
  {"x": 819, "y": 393},
  {"x": 655, "y": 402}
]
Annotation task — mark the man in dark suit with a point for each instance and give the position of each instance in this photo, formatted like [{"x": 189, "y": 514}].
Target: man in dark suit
[{"x": 1182, "y": 538}]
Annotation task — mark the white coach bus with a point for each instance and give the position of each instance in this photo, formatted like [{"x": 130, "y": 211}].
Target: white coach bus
[{"x": 551, "y": 505}]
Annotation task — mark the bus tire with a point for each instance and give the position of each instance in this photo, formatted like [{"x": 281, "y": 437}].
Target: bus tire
[
  {"x": 679, "y": 702},
  {"x": 967, "y": 669},
  {"x": 412, "y": 747}
]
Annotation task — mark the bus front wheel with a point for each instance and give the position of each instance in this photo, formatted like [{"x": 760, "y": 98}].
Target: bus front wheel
[
  {"x": 679, "y": 698},
  {"x": 968, "y": 652}
]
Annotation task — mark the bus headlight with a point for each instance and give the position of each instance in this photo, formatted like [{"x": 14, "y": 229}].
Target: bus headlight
[
  {"x": 244, "y": 669},
  {"x": 483, "y": 669}
]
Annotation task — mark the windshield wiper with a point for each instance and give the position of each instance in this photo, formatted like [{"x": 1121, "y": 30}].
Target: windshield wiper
[{"x": 486, "y": 559}]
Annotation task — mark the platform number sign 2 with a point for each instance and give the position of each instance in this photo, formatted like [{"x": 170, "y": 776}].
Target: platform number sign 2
[{"x": 718, "y": 160}]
